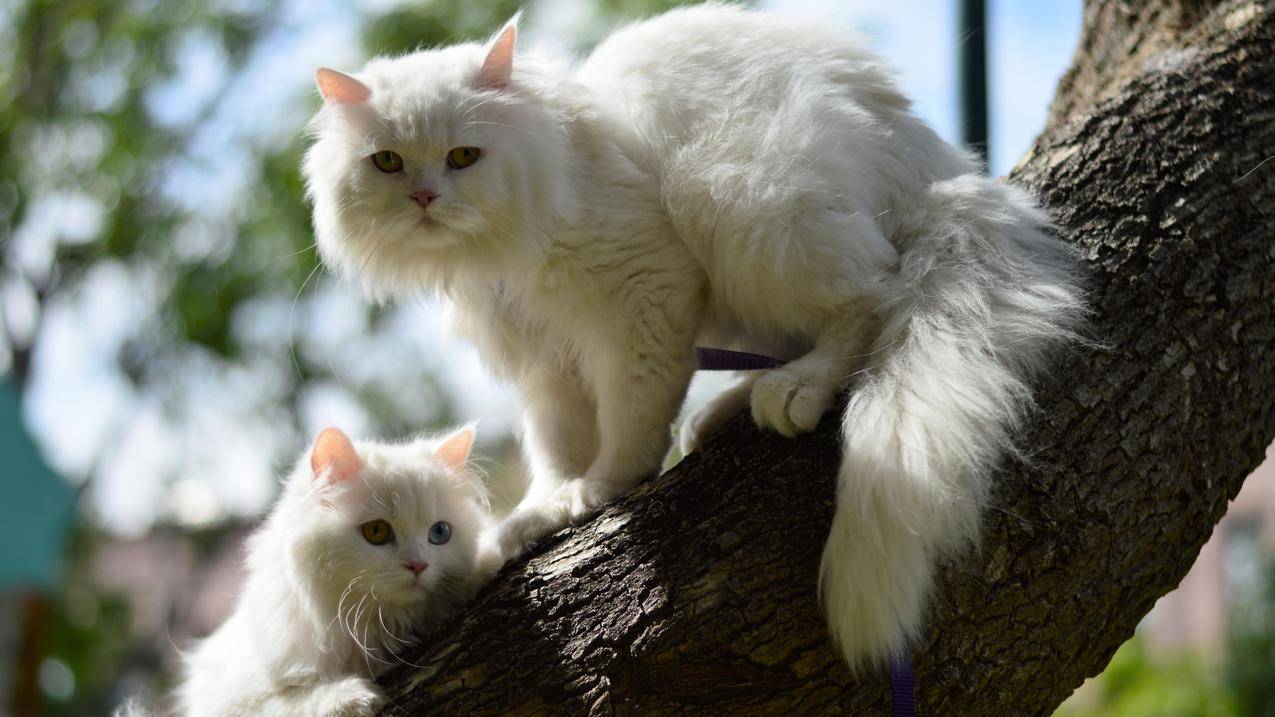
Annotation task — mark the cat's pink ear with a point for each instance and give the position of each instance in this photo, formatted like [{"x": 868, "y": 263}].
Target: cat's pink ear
[
  {"x": 498, "y": 68},
  {"x": 333, "y": 452},
  {"x": 454, "y": 450},
  {"x": 340, "y": 87}
]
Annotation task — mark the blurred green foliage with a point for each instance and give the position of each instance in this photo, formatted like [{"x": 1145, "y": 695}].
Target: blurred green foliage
[
  {"x": 77, "y": 122},
  {"x": 1250, "y": 664},
  {"x": 81, "y": 84},
  {"x": 91, "y": 636},
  {"x": 109, "y": 160},
  {"x": 1138, "y": 683},
  {"x": 78, "y": 119},
  {"x": 414, "y": 25},
  {"x": 79, "y": 132}
]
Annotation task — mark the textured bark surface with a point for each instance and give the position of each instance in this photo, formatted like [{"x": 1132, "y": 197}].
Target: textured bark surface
[{"x": 696, "y": 594}]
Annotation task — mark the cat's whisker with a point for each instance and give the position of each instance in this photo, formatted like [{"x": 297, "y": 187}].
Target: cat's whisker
[
  {"x": 368, "y": 657},
  {"x": 380, "y": 618},
  {"x": 375, "y": 248},
  {"x": 353, "y": 627},
  {"x": 292, "y": 334},
  {"x": 298, "y": 252},
  {"x": 380, "y": 614},
  {"x": 385, "y": 505},
  {"x": 344, "y": 595},
  {"x": 465, "y": 114}
]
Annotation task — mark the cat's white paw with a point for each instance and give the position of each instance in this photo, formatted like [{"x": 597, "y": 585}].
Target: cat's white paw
[
  {"x": 695, "y": 430},
  {"x": 349, "y": 697},
  {"x": 523, "y": 527},
  {"x": 570, "y": 503},
  {"x": 710, "y": 417},
  {"x": 787, "y": 402},
  {"x": 490, "y": 559}
]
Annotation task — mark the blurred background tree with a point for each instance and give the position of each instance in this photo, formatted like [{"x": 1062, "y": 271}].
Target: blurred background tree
[
  {"x": 164, "y": 316},
  {"x": 1140, "y": 682},
  {"x": 1250, "y": 660}
]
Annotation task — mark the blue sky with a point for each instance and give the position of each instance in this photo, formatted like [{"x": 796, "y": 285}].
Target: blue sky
[
  {"x": 224, "y": 457},
  {"x": 1030, "y": 44}
]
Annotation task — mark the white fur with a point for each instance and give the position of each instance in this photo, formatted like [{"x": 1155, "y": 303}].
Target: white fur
[
  {"x": 322, "y": 610},
  {"x": 739, "y": 179}
]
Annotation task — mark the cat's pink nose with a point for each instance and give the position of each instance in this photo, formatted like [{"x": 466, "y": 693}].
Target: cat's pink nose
[
  {"x": 423, "y": 197},
  {"x": 416, "y": 566}
]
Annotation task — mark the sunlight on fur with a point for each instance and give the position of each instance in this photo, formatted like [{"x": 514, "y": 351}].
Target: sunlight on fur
[{"x": 726, "y": 177}]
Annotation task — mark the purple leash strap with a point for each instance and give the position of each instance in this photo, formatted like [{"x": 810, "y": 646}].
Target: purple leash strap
[
  {"x": 902, "y": 687},
  {"x": 724, "y": 360},
  {"x": 902, "y": 684}
]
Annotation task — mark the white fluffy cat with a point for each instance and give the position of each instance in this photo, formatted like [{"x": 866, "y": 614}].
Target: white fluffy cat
[
  {"x": 368, "y": 543},
  {"x": 721, "y": 176}
]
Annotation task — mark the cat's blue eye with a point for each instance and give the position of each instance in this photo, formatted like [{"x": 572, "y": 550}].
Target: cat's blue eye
[{"x": 440, "y": 532}]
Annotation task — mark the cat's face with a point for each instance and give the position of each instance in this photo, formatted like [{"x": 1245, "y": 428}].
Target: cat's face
[
  {"x": 391, "y": 529},
  {"x": 432, "y": 165}
]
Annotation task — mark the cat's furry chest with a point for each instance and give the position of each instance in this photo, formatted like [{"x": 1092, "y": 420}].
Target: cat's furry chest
[
  {"x": 513, "y": 328},
  {"x": 574, "y": 308}
]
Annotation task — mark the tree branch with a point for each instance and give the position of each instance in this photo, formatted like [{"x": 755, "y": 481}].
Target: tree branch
[{"x": 697, "y": 592}]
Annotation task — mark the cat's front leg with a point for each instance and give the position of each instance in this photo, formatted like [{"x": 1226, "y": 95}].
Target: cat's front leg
[
  {"x": 639, "y": 395},
  {"x": 640, "y": 375},
  {"x": 560, "y": 440},
  {"x": 347, "y": 697}
]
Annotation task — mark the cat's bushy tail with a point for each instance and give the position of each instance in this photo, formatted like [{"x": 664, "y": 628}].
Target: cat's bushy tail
[{"x": 985, "y": 293}]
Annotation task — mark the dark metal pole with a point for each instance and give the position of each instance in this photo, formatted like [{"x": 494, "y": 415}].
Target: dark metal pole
[{"x": 972, "y": 48}]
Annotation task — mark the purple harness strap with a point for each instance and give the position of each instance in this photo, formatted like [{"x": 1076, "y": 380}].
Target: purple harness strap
[
  {"x": 724, "y": 360},
  {"x": 902, "y": 687}
]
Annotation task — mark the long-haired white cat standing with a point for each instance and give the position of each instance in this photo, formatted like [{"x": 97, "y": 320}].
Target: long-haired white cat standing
[
  {"x": 730, "y": 177},
  {"x": 369, "y": 543}
]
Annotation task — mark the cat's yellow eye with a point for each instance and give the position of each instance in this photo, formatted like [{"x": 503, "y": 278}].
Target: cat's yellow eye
[
  {"x": 462, "y": 157},
  {"x": 377, "y": 532},
  {"x": 387, "y": 161}
]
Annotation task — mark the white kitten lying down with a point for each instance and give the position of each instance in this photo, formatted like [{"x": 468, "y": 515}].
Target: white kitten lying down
[{"x": 369, "y": 543}]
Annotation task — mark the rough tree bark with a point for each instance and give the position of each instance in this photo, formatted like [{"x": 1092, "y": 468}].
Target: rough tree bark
[{"x": 696, "y": 594}]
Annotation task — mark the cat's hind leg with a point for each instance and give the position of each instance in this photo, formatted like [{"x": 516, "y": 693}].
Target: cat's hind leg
[
  {"x": 710, "y": 417},
  {"x": 790, "y": 248},
  {"x": 792, "y": 398}
]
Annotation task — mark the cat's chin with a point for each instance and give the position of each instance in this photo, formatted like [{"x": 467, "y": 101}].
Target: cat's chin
[
  {"x": 434, "y": 233},
  {"x": 439, "y": 238},
  {"x": 408, "y": 597}
]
